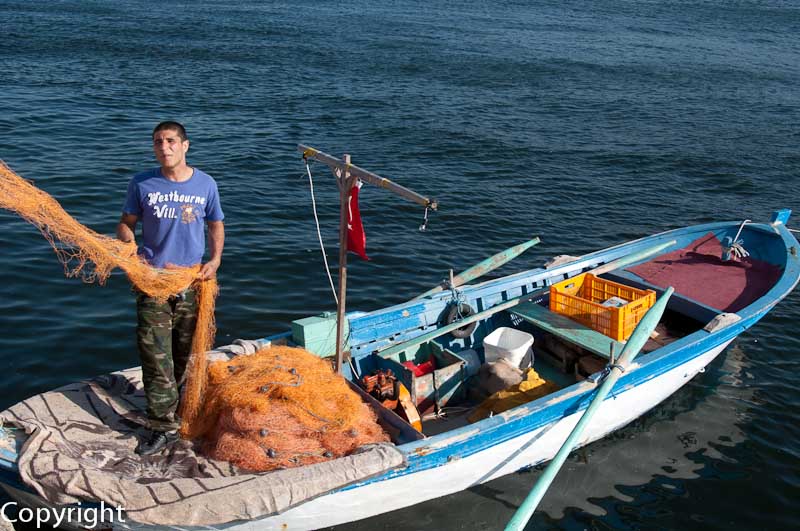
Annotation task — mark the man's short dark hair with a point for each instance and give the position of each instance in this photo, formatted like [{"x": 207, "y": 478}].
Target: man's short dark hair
[{"x": 172, "y": 126}]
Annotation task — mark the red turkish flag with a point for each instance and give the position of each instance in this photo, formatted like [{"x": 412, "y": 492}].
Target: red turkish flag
[{"x": 356, "y": 238}]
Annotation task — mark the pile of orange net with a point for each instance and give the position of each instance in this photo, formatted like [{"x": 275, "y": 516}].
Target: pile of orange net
[
  {"x": 282, "y": 407},
  {"x": 92, "y": 256},
  {"x": 279, "y": 408}
]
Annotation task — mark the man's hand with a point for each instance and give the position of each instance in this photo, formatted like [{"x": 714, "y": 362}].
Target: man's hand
[
  {"x": 216, "y": 239},
  {"x": 209, "y": 269},
  {"x": 126, "y": 228}
]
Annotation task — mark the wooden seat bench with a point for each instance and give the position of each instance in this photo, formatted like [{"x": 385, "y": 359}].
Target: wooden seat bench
[
  {"x": 567, "y": 329},
  {"x": 678, "y": 302}
]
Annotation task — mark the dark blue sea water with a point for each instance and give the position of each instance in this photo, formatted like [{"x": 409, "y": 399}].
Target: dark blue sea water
[{"x": 586, "y": 123}]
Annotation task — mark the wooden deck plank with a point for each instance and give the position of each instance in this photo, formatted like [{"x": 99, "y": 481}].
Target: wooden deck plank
[{"x": 567, "y": 329}]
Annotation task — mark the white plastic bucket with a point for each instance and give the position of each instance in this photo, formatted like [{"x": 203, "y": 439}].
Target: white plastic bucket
[{"x": 510, "y": 344}]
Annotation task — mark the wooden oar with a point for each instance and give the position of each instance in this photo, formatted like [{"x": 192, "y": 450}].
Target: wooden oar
[
  {"x": 483, "y": 267},
  {"x": 629, "y": 259},
  {"x": 433, "y": 334},
  {"x": 629, "y": 352}
]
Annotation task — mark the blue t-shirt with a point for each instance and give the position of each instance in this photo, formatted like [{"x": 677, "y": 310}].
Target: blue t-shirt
[{"x": 173, "y": 215}]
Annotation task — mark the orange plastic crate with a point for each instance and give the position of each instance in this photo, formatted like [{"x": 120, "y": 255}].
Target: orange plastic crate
[{"x": 580, "y": 298}]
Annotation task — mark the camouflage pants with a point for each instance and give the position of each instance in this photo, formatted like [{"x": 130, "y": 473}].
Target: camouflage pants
[{"x": 164, "y": 337}]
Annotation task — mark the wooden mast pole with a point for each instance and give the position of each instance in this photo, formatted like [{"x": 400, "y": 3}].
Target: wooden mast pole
[
  {"x": 346, "y": 175},
  {"x": 345, "y": 184}
]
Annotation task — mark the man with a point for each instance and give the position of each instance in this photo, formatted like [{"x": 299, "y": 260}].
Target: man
[{"x": 172, "y": 202}]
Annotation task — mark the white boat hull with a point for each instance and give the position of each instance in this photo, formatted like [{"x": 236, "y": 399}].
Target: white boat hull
[{"x": 496, "y": 461}]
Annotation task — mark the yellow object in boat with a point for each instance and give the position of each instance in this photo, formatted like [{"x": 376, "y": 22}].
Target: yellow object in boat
[{"x": 531, "y": 388}]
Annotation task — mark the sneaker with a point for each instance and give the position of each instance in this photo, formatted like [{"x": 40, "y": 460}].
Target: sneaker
[{"x": 158, "y": 441}]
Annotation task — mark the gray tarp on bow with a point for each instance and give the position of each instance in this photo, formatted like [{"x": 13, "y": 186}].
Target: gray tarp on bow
[{"x": 81, "y": 442}]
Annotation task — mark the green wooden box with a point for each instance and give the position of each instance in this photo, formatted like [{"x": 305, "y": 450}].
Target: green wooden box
[{"x": 317, "y": 334}]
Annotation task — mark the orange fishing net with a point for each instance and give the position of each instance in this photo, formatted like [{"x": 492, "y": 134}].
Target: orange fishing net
[
  {"x": 279, "y": 408},
  {"x": 197, "y": 368},
  {"x": 92, "y": 256},
  {"x": 282, "y": 407}
]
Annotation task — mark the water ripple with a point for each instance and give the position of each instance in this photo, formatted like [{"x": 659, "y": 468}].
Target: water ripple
[{"x": 585, "y": 126}]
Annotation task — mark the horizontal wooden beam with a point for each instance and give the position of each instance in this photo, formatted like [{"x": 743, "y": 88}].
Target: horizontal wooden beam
[{"x": 366, "y": 176}]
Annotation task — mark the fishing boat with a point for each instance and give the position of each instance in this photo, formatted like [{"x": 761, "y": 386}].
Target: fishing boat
[{"x": 726, "y": 276}]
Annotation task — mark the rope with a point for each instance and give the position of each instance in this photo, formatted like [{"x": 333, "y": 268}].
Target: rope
[
  {"x": 457, "y": 296},
  {"x": 605, "y": 372},
  {"x": 611, "y": 366},
  {"x": 353, "y": 368},
  {"x": 737, "y": 248},
  {"x": 739, "y": 251},
  {"x": 735, "y": 238},
  {"x": 424, "y": 226},
  {"x": 319, "y": 234},
  {"x": 734, "y": 248}
]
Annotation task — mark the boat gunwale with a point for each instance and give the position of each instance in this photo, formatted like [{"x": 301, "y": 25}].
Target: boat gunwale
[{"x": 524, "y": 283}]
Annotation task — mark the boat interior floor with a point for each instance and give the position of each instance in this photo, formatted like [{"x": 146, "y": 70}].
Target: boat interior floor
[
  {"x": 453, "y": 417},
  {"x": 672, "y": 327},
  {"x": 559, "y": 362},
  {"x": 448, "y": 419}
]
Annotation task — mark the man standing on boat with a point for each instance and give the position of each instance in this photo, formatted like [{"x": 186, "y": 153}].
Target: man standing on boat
[{"x": 172, "y": 202}]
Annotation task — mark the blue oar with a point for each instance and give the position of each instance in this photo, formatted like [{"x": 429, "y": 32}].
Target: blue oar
[{"x": 631, "y": 349}]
